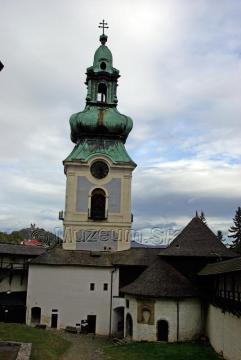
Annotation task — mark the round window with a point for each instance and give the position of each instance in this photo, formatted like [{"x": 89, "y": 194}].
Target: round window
[{"x": 99, "y": 169}]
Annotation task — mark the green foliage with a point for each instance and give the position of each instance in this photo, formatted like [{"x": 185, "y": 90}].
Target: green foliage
[
  {"x": 33, "y": 232},
  {"x": 13, "y": 238},
  {"x": 45, "y": 344},
  {"x": 235, "y": 231},
  {"x": 158, "y": 351}
]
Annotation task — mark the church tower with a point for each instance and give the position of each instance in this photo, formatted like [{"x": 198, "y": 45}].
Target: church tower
[{"x": 97, "y": 213}]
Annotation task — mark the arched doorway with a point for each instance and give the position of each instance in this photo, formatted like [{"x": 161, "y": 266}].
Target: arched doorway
[
  {"x": 162, "y": 330},
  {"x": 118, "y": 322},
  {"x": 35, "y": 315},
  {"x": 98, "y": 204},
  {"x": 129, "y": 326}
]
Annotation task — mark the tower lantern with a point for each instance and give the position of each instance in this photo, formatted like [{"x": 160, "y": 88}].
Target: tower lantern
[{"x": 98, "y": 170}]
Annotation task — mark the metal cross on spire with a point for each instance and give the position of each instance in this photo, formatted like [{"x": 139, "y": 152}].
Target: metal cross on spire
[{"x": 103, "y": 25}]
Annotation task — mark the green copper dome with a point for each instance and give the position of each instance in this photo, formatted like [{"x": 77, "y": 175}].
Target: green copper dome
[
  {"x": 112, "y": 149},
  {"x": 101, "y": 121}
]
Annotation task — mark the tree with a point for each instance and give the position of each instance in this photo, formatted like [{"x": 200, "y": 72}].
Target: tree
[
  {"x": 220, "y": 235},
  {"x": 235, "y": 230},
  {"x": 202, "y": 217}
]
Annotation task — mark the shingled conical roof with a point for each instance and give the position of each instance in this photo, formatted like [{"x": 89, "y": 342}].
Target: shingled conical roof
[
  {"x": 161, "y": 280},
  {"x": 196, "y": 239}
]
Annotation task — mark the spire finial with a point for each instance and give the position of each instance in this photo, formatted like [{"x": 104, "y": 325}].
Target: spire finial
[{"x": 103, "y": 26}]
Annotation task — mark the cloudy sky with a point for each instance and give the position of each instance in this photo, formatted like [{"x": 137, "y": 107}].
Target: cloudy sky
[{"x": 180, "y": 65}]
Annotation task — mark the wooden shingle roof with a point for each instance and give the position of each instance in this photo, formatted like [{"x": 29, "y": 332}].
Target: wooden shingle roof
[
  {"x": 221, "y": 267},
  {"x": 196, "y": 239},
  {"x": 13, "y": 249},
  {"x": 132, "y": 257},
  {"x": 58, "y": 256},
  {"x": 160, "y": 280}
]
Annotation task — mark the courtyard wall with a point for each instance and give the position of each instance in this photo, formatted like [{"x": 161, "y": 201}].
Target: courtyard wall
[{"x": 224, "y": 332}]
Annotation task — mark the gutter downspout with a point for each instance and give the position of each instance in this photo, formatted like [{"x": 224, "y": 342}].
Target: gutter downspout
[
  {"x": 111, "y": 292},
  {"x": 177, "y": 320}
]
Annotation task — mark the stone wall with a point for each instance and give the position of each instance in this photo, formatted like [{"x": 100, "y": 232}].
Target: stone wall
[{"x": 224, "y": 332}]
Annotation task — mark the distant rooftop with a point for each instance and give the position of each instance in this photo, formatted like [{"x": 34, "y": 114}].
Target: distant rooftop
[{"x": 32, "y": 242}]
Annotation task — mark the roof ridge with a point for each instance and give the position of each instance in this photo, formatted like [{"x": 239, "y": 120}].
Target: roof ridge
[{"x": 197, "y": 239}]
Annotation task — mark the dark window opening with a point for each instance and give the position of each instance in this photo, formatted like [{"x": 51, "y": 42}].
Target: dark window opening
[
  {"x": 103, "y": 65},
  {"x": 102, "y": 93},
  {"x": 105, "y": 287},
  {"x": 92, "y": 287},
  {"x": 162, "y": 330},
  {"x": 98, "y": 201},
  {"x": 127, "y": 303}
]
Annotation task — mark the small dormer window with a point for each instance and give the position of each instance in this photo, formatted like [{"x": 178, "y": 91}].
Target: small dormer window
[
  {"x": 103, "y": 65},
  {"x": 102, "y": 92}
]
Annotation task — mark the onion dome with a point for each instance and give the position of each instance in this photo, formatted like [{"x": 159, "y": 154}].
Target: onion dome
[{"x": 100, "y": 121}]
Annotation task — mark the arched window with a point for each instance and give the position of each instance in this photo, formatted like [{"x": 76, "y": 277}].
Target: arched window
[
  {"x": 98, "y": 205},
  {"x": 35, "y": 315},
  {"x": 162, "y": 330},
  {"x": 102, "y": 93}
]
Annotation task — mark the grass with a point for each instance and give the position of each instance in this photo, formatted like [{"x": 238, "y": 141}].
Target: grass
[
  {"x": 48, "y": 345},
  {"x": 161, "y": 351},
  {"x": 45, "y": 344}
]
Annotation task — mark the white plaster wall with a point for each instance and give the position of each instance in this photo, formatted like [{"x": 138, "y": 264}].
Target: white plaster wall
[
  {"x": 224, "y": 332},
  {"x": 190, "y": 323},
  {"x": 190, "y": 319},
  {"x": 67, "y": 288}
]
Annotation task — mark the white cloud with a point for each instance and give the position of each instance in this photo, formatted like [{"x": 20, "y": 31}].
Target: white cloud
[{"x": 180, "y": 65}]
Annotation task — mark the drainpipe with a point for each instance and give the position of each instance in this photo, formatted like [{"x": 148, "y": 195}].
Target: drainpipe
[
  {"x": 177, "y": 320},
  {"x": 111, "y": 292}
]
